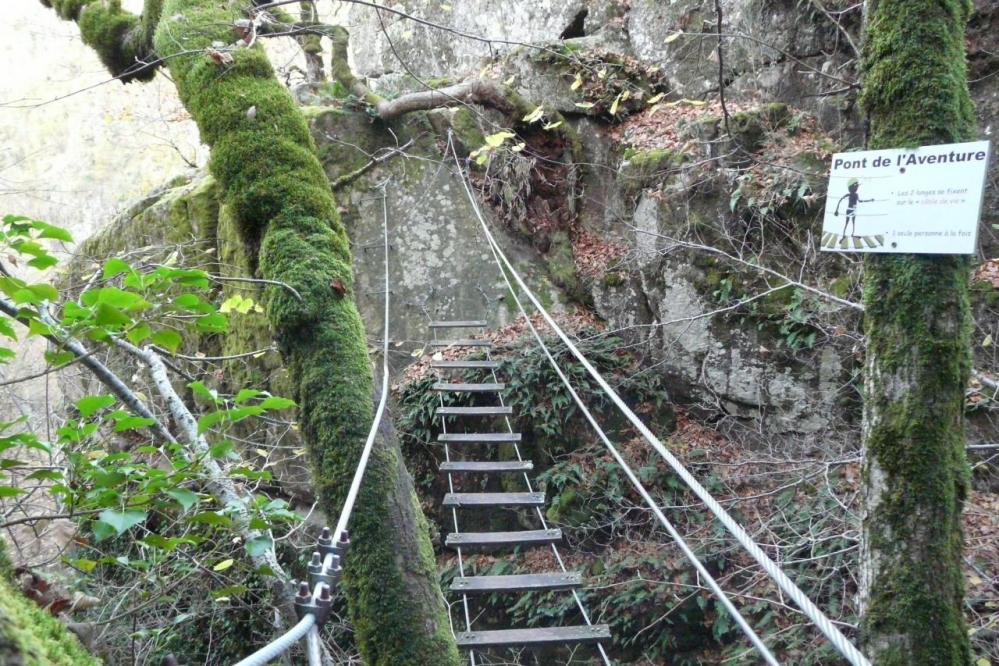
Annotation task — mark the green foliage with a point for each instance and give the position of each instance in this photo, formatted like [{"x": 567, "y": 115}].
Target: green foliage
[{"x": 143, "y": 507}]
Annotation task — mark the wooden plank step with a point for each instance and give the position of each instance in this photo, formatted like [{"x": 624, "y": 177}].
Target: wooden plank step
[
  {"x": 503, "y": 540},
  {"x": 475, "y": 411},
  {"x": 465, "y": 365},
  {"x": 479, "y": 437},
  {"x": 460, "y": 343},
  {"x": 459, "y": 323},
  {"x": 517, "y": 583},
  {"x": 467, "y": 388},
  {"x": 540, "y": 637},
  {"x": 466, "y": 500},
  {"x": 486, "y": 467}
]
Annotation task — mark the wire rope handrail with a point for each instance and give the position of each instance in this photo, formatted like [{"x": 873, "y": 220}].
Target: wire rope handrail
[{"x": 814, "y": 614}]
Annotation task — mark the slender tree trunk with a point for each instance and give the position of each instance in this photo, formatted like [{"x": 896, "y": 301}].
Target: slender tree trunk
[
  {"x": 917, "y": 322},
  {"x": 263, "y": 156}
]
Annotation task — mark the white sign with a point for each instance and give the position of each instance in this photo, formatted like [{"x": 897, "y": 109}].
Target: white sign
[{"x": 916, "y": 200}]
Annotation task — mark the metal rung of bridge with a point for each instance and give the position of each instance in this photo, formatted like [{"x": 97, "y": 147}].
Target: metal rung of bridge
[
  {"x": 450, "y": 387},
  {"x": 486, "y": 466},
  {"x": 464, "y": 365},
  {"x": 543, "y": 637},
  {"x": 503, "y": 540},
  {"x": 512, "y": 543},
  {"x": 479, "y": 438}
]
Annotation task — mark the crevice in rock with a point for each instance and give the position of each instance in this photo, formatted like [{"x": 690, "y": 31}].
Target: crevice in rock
[{"x": 576, "y": 27}]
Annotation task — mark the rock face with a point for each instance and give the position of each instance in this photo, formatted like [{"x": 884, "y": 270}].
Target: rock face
[
  {"x": 434, "y": 52},
  {"x": 778, "y": 362},
  {"x": 784, "y": 363},
  {"x": 440, "y": 263}
]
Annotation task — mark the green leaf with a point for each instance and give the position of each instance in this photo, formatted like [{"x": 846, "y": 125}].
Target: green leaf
[
  {"x": 203, "y": 392},
  {"x": 46, "y": 475},
  {"x": 121, "y": 521},
  {"x": 167, "y": 339},
  {"x": 132, "y": 423},
  {"x": 93, "y": 403},
  {"x": 59, "y": 359},
  {"x": 223, "y": 565},
  {"x": 139, "y": 333},
  {"x": 36, "y": 327},
  {"x": 43, "y": 262},
  {"x": 212, "y": 323},
  {"x": 9, "y": 491},
  {"x": 187, "y": 302},
  {"x": 230, "y": 591},
  {"x": 53, "y": 232},
  {"x": 221, "y": 450},
  {"x": 211, "y": 518},
  {"x": 184, "y": 497},
  {"x": 6, "y": 329},
  {"x": 496, "y": 140},
  {"x": 115, "y": 267},
  {"x": 246, "y": 394},
  {"x": 84, "y": 565},
  {"x": 258, "y": 545},
  {"x": 45, "y": 292},
  {"x": 108, "y": 315},
  {"x": 275, "y": 402}
]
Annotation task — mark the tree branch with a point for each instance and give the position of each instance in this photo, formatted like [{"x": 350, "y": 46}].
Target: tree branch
[
  {"x": 376, "y": 160},
  {"x": 197, "y": 448},
  {"x": 122, "y": 40}
]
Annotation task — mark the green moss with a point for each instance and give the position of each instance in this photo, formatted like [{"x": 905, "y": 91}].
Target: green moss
[
  {"x": 915, "y": 73},
  {"x": 467, "y": 130},
  {"x": 30, "y": 636},
  {"x": 647, "y": 162},
  {"x": 562, "y": 267},
  {"x": 614, "y": 279},
  {"x": 747, "y": 130},
  {"x": 775, "y": 114},
  {"x": 841, "y": 286},
  {"x": 122, "y": 40},
  {"x": 983, "y": 293}
]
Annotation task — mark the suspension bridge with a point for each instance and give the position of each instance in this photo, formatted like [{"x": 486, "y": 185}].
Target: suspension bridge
[{"x": 477, "y": 432}]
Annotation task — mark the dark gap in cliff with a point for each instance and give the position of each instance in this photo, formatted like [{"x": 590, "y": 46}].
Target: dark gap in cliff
[{"x": 575, "y": 29}]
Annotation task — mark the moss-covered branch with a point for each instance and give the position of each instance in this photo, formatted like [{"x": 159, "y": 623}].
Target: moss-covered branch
[
  {"x": 122, "y": 40},
  {"x": 918, "y": 325}
]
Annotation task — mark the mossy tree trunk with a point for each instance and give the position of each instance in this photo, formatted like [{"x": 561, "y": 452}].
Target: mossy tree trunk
[
  {"x": 272, "y": 181},
  {"x": 917, "y": 324}
]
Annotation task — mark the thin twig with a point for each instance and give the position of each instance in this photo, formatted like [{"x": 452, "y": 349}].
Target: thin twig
[
  {"x": 276, "y": 283},
  {"x": 357, "y": 173},
  {"x": 721, "y": 68}
]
